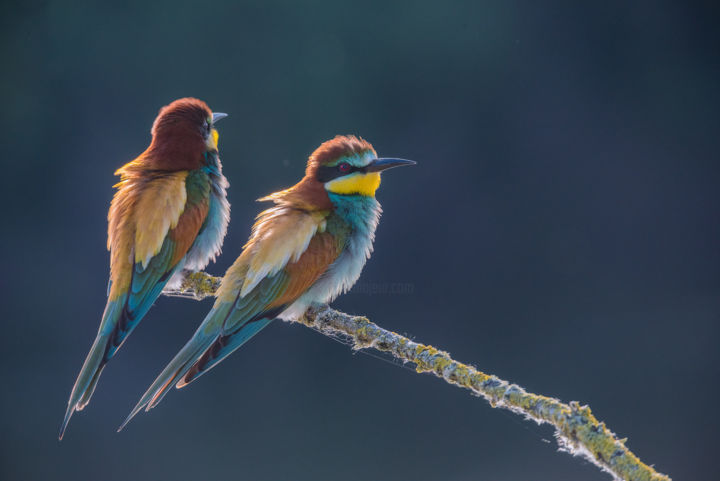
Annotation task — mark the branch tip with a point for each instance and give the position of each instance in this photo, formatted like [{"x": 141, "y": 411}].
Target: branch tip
[{"x": 577, "y": 430}]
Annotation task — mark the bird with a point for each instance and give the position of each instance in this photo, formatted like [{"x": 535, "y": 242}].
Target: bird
[
  {"x": 306, "y": 249},
  {"x": 169, "y": 214}
]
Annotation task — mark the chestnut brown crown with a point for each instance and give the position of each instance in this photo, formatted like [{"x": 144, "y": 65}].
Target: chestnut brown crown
[{"x": 179, "y": 136}]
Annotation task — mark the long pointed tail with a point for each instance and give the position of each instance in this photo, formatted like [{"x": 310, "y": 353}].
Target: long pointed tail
[
  {"x": 221, "y": 348},
  {"x": 177, "y": 367},
  {"x": 87, "y": 380},
  {"x": 121, "y": 317},
  {"x": 205, "y": 349},
  {"x": 115, "y": 326},
  {"x": 117, "y": 323}
]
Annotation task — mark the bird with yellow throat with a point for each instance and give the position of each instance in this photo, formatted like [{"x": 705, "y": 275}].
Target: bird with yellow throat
[
  {"x": 169, "y": 214},
  {"x": 306, "y": 249}
]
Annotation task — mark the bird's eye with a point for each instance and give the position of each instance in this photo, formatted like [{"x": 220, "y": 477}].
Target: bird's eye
[{"x": 344, "y": 167}]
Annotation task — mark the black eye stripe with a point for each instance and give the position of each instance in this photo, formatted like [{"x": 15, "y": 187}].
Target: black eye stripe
[{"x": 326, "y": 173}]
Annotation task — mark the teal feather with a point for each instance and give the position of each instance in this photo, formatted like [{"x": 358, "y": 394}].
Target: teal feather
[
  {"x": 120, "y": 318},
  {"x": 226, "y": 327}
]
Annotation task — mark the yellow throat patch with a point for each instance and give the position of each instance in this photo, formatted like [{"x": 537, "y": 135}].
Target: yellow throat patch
[
  {"x": 212, "y": 140},
  {"x": 357, "y": 183}
]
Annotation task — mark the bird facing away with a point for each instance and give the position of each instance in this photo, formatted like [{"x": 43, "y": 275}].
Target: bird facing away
[
  {"x": 169, "y": 213},
  {"x": 308, "y": 248}
]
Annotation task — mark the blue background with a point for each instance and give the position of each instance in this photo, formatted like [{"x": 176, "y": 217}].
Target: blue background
[{"x": 560, "y": 231}]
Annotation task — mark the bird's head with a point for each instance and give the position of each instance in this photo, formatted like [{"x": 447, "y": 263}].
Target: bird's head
[
  {"x": 348, "y": 165},
  {"x": 345, "y": 165},
  {"x": 183, "y": 131}
]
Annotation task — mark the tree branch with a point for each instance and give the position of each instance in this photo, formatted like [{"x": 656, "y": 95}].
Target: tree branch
[{"x": 577, "y": 431}]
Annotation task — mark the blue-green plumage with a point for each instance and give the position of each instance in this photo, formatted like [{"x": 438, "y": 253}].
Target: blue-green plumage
[
  {"x": 307, "y": 249},
  {"x": 120, "y": 318},
  {"x": 208, "y": 243},
  {"x": 226, "y": 327},
  {"x": 168, "y": 214}
]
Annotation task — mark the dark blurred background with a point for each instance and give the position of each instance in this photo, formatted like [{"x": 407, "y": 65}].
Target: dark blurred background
[{"x": 561, "y": 231}]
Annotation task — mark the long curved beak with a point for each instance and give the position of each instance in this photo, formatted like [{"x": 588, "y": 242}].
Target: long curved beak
[
  {"x": 378, "y": 165},
  {"x": 218, "y": 116}
]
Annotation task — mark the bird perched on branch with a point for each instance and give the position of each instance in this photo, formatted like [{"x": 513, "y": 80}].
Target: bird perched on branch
[
  {"x": 310, "y": 247},
  {"x": 169, "y": 213}
]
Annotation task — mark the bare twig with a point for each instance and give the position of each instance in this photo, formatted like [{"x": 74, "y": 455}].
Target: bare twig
[{"x": 576, "y": 429}]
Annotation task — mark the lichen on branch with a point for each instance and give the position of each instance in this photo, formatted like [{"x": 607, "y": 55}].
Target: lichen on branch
[{"x": 576, "y": 428}]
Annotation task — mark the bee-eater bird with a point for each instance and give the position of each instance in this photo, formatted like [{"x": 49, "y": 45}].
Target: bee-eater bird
[
  {"x": 169, "y": 213},
  {"x": 310, "y": 247}
]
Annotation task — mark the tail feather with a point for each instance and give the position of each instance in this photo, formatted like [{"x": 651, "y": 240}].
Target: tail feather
[
  {"x": 220, "y": 349},
  {"x": 85, "y": 399},
  {"x": 87, "y": 379},
  {"x": 177, "y": 367},
  {"x": 205, "y": 349},
  {"x": 119, "y": 320},
  {"x": 204, "y": 336},
  {"x": 103, "y": 348}
]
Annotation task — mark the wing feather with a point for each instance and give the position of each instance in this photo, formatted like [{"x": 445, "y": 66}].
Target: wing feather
[
  {"x": 158, "y": 210},
  {"x": 280, "y": 236},
  {"x": 239, "y": 313},
  {"x": 149, "y": 233}
]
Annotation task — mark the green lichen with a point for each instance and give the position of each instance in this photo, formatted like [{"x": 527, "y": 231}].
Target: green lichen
[
  {"x": 440, "y": 364},
  {"x": 363, "y": 335},
  {"x": 424, "y": 357},
  {"x": 200, "y": 284},
  {"x": 580, "y": 432}
]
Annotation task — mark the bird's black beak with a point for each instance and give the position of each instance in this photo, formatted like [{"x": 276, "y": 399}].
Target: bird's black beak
[
  {"x": 218, "y": 116},
  {"x": 378, "y": 165}
]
